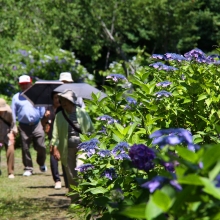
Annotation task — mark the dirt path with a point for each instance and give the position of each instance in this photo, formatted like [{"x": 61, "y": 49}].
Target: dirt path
[{"x": 31, "y": 197}]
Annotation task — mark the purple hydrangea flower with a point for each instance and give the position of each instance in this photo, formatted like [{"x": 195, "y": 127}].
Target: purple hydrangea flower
[
  {"x": 23, "y": 53},
  {"x": 109, "y": 173},
  {"x": 84, "y": 167},
  {"x": 154, "y": 184},
  {"x": 131, "y": 100},
  {"x": 122, "y": 156},
  {"x": 156, "y": 65},
  {"x": 107, "y": 118},
  {"x": 142, "y": 157},
  {"x": 158, "y": 181},
  {"x": 163, "y": 93},
  {"x": 173, "y": 136},
  {"x": 164, "y": 83},
  {"x": 217, "y": 181},
  {"x": 116, "y": 77},
  {"x": 1, "y": 145},
  {"x": 157, "y": 56},
  {"x": 104, "y": 153},
  {"x": 195, "y": 53},
  {"x": 121, "y": 147},
  {"x": 174, "y": 56},
  {"x": 89, "y": 146}
]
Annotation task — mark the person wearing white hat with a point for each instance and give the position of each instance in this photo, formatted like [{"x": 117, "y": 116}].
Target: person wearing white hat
[
  {"x": 66, "y": 77},
  {"x": 68, "y": 124},
  {"x": 30, "y": 127},
  {"x": 8, "y": 130}
]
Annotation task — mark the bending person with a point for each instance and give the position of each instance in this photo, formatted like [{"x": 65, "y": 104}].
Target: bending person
[{"x": 65, "y": 137}]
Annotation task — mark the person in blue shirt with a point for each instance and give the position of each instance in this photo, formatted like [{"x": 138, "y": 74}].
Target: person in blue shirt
[{"x": 30, "y": 127}]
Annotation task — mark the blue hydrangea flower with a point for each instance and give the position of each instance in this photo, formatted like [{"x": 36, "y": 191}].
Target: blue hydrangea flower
[
  {"x": 163, "y": 93},
  {"x": 107, "y": 118},
  {"x": 89, "y": 146},
  {"x": 157, "y": 56},
  {"x": 104, "y": 153},
  {"x": 131, "y": 100},
  {"x": 23, "y": 53},
  {"x": 84, "y": 167},
  {"x": 156, "y": 65},
  {"x": 164, "y": 83},
  {"x": 173, "y": 136},
  {"x": 194, "y": 53},
  {"x": 157, "y": 183},
  {"x": 122, "y": 147},
  {"x": 174, "y": 56},
  {"x": 142, "y": 157},
  {"x": 109, "y": 173},
  {"x": 122, "y": 156},
  {"x": 116, "y": 77}
]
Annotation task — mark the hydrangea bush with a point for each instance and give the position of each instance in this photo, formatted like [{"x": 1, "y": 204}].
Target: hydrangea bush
[{"x": 155, "y": 153}]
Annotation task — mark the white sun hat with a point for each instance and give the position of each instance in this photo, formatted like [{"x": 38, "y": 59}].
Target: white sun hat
[{"x": 66, "y": 76}]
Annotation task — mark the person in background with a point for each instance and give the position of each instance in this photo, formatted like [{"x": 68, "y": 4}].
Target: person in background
[
  {"x": 30, "y": 127},
  {"x": 8, "y": 131},
  {"x": 68, "y": 124},
  {"x": 66, "y": 77},
  {"x": 47, "y": 122}
]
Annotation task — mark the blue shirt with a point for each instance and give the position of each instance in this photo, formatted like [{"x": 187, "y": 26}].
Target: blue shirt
[{"x": 24, "y": 111}]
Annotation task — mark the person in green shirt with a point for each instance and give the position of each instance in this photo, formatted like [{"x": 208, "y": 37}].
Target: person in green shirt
[{"x": 68, "y": 125}]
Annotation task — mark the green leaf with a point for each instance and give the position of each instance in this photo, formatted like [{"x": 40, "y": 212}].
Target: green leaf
[
  {"x": 137, "y": 211},
  {"x": 191, "y": 179},
  {"x": 162, "y": 200},
  {"x": 210, "y": 187},
  {"x": 187, "y": 154},
  {"x": 201, "y": 97},
  {"x": 97, "y": 190},
  {"x": 152, "y": 210},
  {"x": 120, "y": 128},
  {"x": 211, "y": 155}
]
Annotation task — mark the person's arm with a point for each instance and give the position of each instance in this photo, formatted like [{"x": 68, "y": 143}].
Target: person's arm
[
  {"x": 13, "y": 109},
  {"x": 54, "y": 141}
]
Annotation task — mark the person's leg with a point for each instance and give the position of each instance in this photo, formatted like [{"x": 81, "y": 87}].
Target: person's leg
[
  {"x": 25, "y": 141},
  {"x": 70, "y": 171},
  {"x": 39, "y": 144},
  {"x": 65, "y": 176},
  {"x": 10, "y": 158},
  {"x": 54, "y": 168}
]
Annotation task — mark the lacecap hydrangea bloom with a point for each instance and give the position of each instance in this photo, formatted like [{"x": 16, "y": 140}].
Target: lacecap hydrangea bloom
[
  {"x": 107, "y": 118},
  {"x": 116, "y": 77},
  {"x": 89, "y": 146},
  {"x": 83, "y": 168},
  {"x": 109, "y": 173}
]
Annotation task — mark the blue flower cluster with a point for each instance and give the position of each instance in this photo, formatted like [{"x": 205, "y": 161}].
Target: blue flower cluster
[
  {"x": 162, "y": 66},
  {"x": 131, "y": 103},
  {"x": 164, "y": 83},
  {"x": 195, "y": 54},
  {"x": 83, "y": 168},
  {"x": 104, "y": 153},
  {"x": 116, "y": 77},
  {"x": 122, "y": 147},
  {"x": 173, "y": 136},
  {"x": 142, "y": 157},
  {"x": 158, "y": 181},
  {"x": 109, "y": 173},
  {"x": 107, "y": 118},
  {"x": 163, "y": 93},
  {"x": 89, "y": 146}
]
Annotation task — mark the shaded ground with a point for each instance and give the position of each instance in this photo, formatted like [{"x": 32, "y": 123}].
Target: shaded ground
[{"x": 31, "y": 197}]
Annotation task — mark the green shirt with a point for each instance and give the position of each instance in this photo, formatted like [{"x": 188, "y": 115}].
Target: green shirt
[{"x": 60, "y": 131}]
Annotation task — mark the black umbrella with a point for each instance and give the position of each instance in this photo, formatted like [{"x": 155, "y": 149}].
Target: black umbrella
[
  {"x": 83, "y": 90},
  {"x": 40, "y": 93}
]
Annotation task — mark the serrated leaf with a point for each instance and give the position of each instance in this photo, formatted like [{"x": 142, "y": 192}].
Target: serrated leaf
[{"x": 97, "y": 190}]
